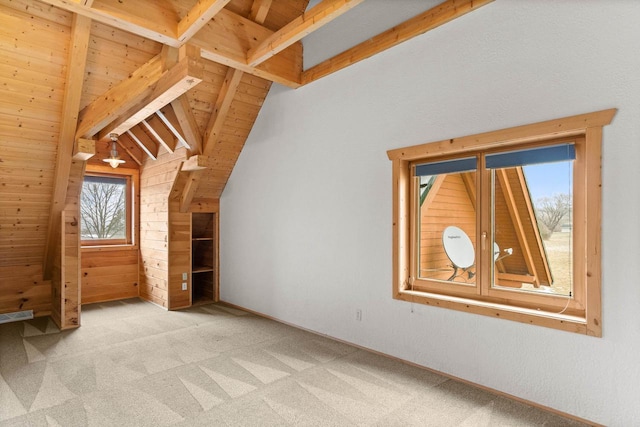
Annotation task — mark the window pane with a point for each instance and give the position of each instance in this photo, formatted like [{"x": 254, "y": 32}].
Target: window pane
[
  {"x": 103, "y": 209},
  {"x": 447, "y": 227},
  {"x": 532, "y": 223}
]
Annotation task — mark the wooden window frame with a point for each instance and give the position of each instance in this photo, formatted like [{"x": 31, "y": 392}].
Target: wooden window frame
[
  {"x": 584, "y": 314},
  {"x": 132, "y": 214}
]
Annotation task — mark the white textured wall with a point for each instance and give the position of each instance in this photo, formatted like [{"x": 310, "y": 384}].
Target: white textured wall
[{"x": 306, "y": 215}]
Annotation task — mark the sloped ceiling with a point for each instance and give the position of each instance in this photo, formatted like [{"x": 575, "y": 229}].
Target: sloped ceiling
[{"x": 52, "y": 86}]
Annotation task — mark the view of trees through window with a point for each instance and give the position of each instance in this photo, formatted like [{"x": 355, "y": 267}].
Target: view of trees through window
[{"x": 103, "y": 209}]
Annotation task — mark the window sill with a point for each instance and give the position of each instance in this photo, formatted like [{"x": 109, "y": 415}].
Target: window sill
[
  {"x": 109, "y": 248},
  {"x": 563, "y": 322}
]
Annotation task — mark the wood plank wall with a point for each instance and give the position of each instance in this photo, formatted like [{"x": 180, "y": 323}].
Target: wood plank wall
[
  {"x": 109, "y": 274},
  {"x": 180, "y": 248},
  {"x": 34, "y": 41},
  {"x": 156, "y": 181}
]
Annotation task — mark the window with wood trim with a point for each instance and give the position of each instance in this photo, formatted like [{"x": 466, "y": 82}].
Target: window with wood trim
[
  {"x": 505, "y": 224},
  {"x": 107, "y": 208}
]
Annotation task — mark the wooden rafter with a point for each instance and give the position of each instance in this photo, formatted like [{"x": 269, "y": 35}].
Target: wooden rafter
[
  {"x": 132, "y": 148},
  {"x": 81, "y": 30},
  {"x": 319, "y": 15},
  {"x": 184, "y": 115},
  {"x": 156, "y": 128},
  {"x": 171, "y": 122},
  {"x": 432, "y": 18},
  {"x": 144, "y": 141},
  {"x": 518, "y": 225},
  {"x": 198, "y": 17}
]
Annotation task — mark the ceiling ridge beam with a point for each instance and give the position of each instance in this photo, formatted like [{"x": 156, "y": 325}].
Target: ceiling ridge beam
[
  {"x": 321, "y": 14},
  {"x": 76, "y": 63},
  {"x": 420, "y": 24},
  {"x": 199, "y": 15}
]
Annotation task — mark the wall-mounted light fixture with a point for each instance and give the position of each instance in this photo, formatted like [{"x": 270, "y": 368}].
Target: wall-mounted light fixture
[{"x": 114, "y": 159}]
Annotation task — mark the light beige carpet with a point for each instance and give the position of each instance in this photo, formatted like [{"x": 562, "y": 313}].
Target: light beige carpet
[{"x": 134, "y": 364}]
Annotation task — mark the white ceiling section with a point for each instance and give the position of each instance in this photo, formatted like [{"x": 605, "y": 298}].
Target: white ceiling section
[{"x": 368, "y": 19}]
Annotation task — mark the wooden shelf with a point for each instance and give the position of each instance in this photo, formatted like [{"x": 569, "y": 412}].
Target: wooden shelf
[{"x": 201, "y": 269}]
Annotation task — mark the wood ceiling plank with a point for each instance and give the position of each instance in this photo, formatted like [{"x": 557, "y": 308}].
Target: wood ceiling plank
[
  {"x": 197, "y": 17},
  {"x": 81, "y": 31},
  {"x": 321, "y": 14},
  {"x": 432, "y": 18}
]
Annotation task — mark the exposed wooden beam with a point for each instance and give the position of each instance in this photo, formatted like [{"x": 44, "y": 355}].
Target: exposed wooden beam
[
  {"x": 168, "y": 117},
  {"x": 221, "y": 109},
  {"x": 197, "y": 17},
  {"x": 259, "y": 10},
  {"x": 227, "y": 39},
  {"x": 195, "y": 163},
  {"x": 120, "y": 98},
  {"x": 432, "y": 18},
  {"x": 84, "y": 149},
  {"x": 182, "y": 111},
  {"x": 186, "y": 74},
  {"x": 80, "y": 33},
  {"x": 146, "y": 27},
  {"x": 321, "y": 14}
]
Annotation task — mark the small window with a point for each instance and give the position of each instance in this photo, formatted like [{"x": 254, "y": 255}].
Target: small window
[
  {"x": 106, "y": 209},
  {"x": 505, "y": 224}
]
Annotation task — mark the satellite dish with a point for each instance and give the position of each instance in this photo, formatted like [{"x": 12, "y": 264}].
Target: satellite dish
[
  {"x": 496, "y": 251},
  {"x": 458, "y": 247}
]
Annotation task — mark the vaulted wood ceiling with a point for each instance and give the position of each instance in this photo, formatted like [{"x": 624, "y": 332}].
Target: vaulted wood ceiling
[{"x": 162, "y": 74}]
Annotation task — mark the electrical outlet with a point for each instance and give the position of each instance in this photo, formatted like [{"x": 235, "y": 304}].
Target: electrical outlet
[
  {"x": 184, "y": 276},
  {"x": 359, "y": 315},
  {"x": 184, "y": 286}
]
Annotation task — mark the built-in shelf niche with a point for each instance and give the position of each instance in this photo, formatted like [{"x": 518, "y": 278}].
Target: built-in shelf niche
[{"x": 203, "y": 255}]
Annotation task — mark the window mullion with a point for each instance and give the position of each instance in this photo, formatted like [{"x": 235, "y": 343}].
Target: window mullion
[{"x": 483, "y": 218}]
